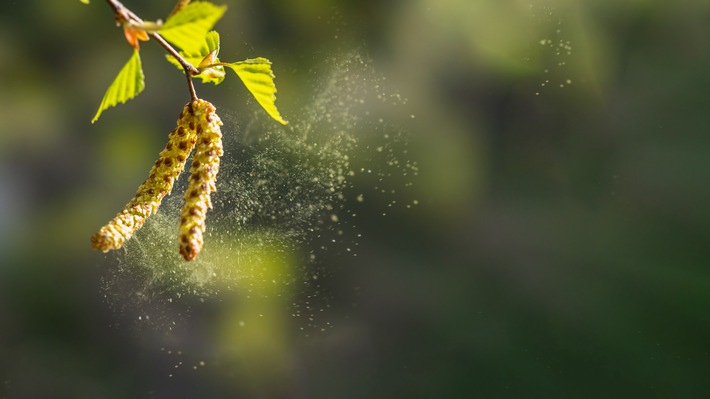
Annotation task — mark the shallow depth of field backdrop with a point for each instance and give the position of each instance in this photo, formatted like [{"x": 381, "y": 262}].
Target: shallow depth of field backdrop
[{"x": 530, "y": 197}]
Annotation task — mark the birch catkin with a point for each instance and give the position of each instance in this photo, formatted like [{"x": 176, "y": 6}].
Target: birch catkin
[
  {"x": 203, "y": 176},
  {"x": 160, "y": 181}
]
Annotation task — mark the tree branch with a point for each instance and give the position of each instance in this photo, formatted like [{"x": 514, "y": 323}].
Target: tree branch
[
  {"x": 124, "y": 15},
  {"x": 179, "y": 6}
]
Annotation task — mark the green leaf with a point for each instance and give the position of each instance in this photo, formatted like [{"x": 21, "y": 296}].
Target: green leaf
[
  {"x": 187, "y": 28},
  {"x": 128, "y": 84},
  {"x": 210, "y": 44},
  {"x": 259, "y": 79}
]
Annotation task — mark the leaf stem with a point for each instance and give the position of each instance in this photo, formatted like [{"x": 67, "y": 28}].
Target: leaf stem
[{"x": 123, "y": 14}]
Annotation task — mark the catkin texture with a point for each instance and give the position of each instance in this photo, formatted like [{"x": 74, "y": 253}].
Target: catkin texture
[
  {"x": 146, "y": 202},
  {"x": 202, "y": 180}
]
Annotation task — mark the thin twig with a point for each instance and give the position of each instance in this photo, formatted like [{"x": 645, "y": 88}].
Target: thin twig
[
  {"x": 179, "y": 6},
  {"x": 189, "y": 68},
  {"x": 191, "y": 87},
  {"x": 123, "y": 14}
]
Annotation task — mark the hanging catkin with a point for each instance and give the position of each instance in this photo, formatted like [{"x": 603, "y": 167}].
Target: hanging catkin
[
  {"x": 159, "y": 183},
  {"x": 203, "y": 176}
]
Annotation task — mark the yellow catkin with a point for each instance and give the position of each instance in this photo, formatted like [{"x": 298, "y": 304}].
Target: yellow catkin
[
  {"x": 160, "y": 181},
  {"x": 203, "y": 176}
]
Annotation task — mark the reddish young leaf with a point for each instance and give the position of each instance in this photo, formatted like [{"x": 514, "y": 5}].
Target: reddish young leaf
[{"x": 133, "y": 35}]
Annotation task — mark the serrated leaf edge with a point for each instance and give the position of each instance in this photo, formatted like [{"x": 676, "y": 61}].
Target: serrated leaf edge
[
  {"x": 124, "y": 88},
  {"x": 263, "y": 87}
]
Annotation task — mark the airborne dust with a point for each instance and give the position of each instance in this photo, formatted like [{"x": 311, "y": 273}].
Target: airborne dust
[{"x": 286, "y": 195}]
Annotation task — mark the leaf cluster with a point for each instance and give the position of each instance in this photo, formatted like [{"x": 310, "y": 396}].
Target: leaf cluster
[{"x": 189, "y": 29}]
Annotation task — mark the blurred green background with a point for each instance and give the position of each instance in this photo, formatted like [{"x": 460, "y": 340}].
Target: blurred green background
[{"x": 559, "y": 247}]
